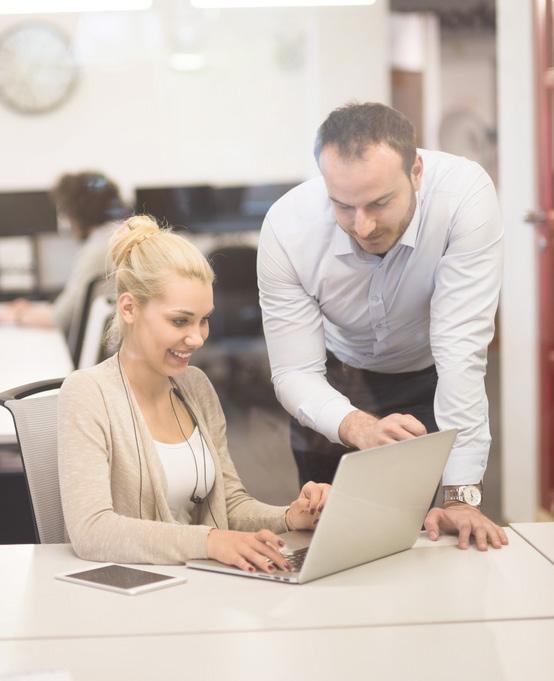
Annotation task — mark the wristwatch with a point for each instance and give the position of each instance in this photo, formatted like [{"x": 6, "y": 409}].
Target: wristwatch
[{"x": 467, "y": 494}]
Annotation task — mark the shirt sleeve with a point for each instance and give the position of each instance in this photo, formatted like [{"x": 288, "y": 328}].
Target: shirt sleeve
[
  {"x": 463, "y": 305},
  {"x": 293, "y": 328},
  {"x": 90, "y": 263}
]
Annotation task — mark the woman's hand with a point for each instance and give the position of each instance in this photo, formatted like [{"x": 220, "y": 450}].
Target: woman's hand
[
  {"x": 10, "y": 312},
  {"x": 247, "y": 550},
  {"x": 304, "y": 512},
  {"x": 26, "y": 313}
]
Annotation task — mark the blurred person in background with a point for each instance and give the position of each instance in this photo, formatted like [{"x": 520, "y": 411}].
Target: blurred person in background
[{"x": 89, "y": 204}]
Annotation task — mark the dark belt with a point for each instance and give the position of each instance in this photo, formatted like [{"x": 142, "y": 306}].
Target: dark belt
[{"x": 335, "y": 362}]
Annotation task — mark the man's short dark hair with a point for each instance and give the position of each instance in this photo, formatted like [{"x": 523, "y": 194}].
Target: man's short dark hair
[{"x": 355, "y": 127}]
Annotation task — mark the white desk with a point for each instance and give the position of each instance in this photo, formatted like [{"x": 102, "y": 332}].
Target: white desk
[
  {"x": 499, "y": 651},
  {"x": 28, "y": 355},
  {"x": 539, "y": 535},
  {"x": 434, "y": 584}
]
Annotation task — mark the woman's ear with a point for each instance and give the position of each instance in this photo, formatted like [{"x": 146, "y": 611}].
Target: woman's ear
[{"x": 127, "y": 308}]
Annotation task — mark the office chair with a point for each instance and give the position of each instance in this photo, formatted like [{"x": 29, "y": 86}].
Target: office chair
[
  {"x": 78, "y": 329},
  {"x": 94, "y": 348},
  {"x": 237, "y": 310},
  {"x": 236, "y": 355},
  {"x": 36, "y": 428}
]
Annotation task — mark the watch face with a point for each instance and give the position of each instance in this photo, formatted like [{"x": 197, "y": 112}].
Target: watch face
[
  {"x": 37, "y": 67},
  {"x": 472, "y": 495}
]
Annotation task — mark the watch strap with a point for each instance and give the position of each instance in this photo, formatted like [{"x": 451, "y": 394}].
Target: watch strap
[{"x": 455, "y": 494}]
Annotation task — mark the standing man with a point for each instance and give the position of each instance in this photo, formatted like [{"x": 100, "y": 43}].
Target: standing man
[{"x": 379, "y": 282}]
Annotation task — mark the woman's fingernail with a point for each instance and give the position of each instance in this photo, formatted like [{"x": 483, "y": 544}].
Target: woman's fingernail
[
  {"x": 287, "y": 566},
  {"x": 281, "y": 542}
]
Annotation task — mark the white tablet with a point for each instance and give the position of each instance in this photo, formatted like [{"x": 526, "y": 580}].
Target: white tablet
[{"x": 124, "y": 580}]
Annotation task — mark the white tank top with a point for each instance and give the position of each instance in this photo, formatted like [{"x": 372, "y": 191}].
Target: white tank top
[{"x": 178, "y": 464}]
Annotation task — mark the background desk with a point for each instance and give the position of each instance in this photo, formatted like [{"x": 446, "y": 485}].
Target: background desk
[
  {"x": 433, "y": 583},
  {"x": 29, "y": 355},
  {"x": 540, "y": 536}
]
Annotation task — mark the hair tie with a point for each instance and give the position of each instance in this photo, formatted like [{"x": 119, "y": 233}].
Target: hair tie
[
  {"x": 128, "y": 250},
  {"x": 142, "y": 238}
]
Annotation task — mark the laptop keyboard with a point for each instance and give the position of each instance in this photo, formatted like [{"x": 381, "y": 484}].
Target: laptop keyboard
[{"x": 296, "y": 559}]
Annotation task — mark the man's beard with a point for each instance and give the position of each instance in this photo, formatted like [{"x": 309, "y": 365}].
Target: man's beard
[{"x": 404, "y": 224}]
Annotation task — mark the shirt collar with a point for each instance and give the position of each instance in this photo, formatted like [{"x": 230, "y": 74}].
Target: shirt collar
[
  {"x": 410, "y": 235},
  {"x": 342, "y": 243}
]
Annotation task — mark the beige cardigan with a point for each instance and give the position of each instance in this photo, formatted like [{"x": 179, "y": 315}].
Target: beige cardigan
[{"x": 100, "y": 474}]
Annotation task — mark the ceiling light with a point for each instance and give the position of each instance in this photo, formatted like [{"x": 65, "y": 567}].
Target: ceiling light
[
  {"x": 71, "y": 6},
  {"x": 228, "y": 4}
]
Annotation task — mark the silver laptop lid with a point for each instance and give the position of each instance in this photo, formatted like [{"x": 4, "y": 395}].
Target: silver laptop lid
[
  {"x": 377, "y": 503},
  {"x": 376, "y": 507}
]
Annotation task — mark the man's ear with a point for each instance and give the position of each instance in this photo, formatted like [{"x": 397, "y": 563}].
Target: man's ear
[
  {"x": 127, "y": 307},
  {"x": 417, "y": 172}
]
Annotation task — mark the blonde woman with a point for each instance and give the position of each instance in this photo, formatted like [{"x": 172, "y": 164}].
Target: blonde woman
[{"x": 145, "y": 474}]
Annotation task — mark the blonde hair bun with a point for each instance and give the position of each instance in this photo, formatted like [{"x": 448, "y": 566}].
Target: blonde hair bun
[{"x": 132, "y": 233}]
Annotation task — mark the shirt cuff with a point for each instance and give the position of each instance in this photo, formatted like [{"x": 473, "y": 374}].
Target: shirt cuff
[
  {"x": 465, "y": 467},
  {"x": 330, "y": 417}
]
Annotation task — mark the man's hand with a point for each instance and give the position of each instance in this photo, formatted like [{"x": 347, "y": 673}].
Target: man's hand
[
  {"x": 465, "y": 521},
  {"x": 362, "y": 430}
]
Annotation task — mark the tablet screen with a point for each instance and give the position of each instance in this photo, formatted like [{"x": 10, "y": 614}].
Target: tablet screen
[{"x": 120, "y": 577}]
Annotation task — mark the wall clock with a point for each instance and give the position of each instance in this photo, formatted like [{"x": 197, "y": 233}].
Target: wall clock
[{"x": 38, "y": 70}]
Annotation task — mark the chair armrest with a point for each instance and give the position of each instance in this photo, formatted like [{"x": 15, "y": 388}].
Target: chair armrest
[{"x": 30, "y": 389}]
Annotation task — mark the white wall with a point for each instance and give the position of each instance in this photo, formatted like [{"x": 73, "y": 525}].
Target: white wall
[
  {"x": 250, "y": 116},
  {"x": 518, "y": 307}
]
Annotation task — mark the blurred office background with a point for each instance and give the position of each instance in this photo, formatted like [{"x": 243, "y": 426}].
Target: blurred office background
[{"x": 205, "y": 116}]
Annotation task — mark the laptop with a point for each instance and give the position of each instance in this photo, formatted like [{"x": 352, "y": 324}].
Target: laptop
[{"x": 376, "y": 507}]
